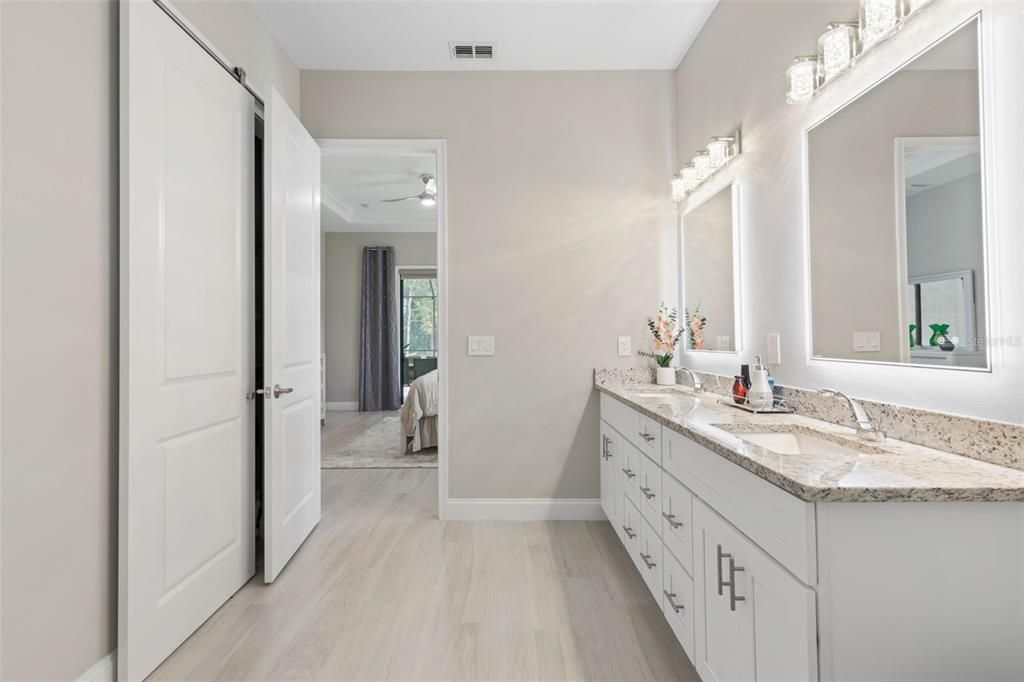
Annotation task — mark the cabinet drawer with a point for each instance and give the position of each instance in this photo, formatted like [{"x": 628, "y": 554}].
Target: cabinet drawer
[
  {"x": 649, "y": 487},
  {"x": 781, "y": 524},
  {"x": 649, "y": 434},
  {"x": 677, "y": 589},
  {"x": 629, "y": 469},
  {"x": 650, "y": 559},
  {"x": 641, "y": 431},
  {"x": 677, "y": 520},
  {"x": 630, "y": 530}
]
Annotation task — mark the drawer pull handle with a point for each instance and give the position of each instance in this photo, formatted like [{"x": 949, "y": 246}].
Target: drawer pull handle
[
  {"x": 629, "y": 532},
  {"x": 671, "y": 518},
  {"x": 646, "y": 436},
  {"x": 629, "y": 473},
  {"x": 733, "y": 570},
  {"x": 721, "y": 583},
  {"x": 647, "y": 493},
  {"x": 671, "y": 601},
  {"x": 647, "y": 560}
]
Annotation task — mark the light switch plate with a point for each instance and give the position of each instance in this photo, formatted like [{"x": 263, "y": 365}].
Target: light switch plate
[
  {"x": 867, "y": 342},
  {"x": 480, "y": 345},
  {"x": 773, "y": 349},
  {"x": 625, "y": 343}
]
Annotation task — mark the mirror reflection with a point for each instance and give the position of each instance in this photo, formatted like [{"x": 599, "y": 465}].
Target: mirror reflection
[
  {"x": 895, "y": 210},
  {"x": 708, "y": 276}
]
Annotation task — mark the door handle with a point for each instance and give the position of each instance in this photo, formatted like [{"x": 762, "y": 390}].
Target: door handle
[
  {"x": 279, "y": 390},
  {"x": 721, "y": 583},
  {"x": 733, "y": 570},
  {"x": 671, "y": 518}
]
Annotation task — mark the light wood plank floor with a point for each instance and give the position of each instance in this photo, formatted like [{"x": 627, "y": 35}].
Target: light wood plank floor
[{"x": 384, "y": 590}]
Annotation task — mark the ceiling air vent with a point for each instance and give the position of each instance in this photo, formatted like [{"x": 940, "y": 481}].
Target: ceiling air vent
[{"x": 471, "y": 50}]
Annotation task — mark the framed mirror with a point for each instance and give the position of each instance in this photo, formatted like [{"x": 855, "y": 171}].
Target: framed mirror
[
  {"x": 710, "y": 268},
  {"x": 895, "y": 216}
]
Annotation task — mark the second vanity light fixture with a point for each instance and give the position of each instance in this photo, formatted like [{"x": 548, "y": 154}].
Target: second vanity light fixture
[
  {"x": 719, "y": 152},
  {"x": 843, "y": 42}
]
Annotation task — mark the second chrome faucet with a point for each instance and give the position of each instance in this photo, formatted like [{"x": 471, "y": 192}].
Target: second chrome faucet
[{"x": 865, "y": 427}]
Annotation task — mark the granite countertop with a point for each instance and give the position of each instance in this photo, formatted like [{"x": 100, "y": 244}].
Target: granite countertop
[{"x": 889, "y": 471}]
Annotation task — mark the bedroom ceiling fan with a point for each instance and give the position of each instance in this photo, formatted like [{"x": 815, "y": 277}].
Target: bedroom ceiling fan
[{"x": 428, "y": 197}]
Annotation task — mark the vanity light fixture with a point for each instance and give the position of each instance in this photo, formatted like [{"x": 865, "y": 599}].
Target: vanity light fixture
[
  {"x": 678, "y": 189},
  {"x": 838, "y": 48},
  {"x": 688, "y": 174},
  {"x": 720, "y": 151},
  {"x": 842, "y": 42},
  {"x": 879, "y": 19},
  {"x": 802, "y": 76},
  {"x": 702, "y": 164}
]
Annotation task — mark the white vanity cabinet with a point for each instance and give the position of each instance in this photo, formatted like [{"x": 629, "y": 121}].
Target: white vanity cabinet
[
  {"x": 737, "y": 612},
  {"x": 758, "y": 584}
]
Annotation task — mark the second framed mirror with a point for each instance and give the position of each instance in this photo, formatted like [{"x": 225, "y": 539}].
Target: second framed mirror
[{"x": 710, "y": 272}]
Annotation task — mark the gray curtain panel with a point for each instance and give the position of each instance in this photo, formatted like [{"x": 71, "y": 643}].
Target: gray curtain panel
[{"x": 380, "y": 385}]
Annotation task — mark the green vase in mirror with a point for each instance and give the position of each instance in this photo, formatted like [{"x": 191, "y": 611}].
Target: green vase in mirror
[{"x": 938, "y": 330}]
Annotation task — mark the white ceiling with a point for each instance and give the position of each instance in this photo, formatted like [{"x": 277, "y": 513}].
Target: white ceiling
[
  {"x": 353, "y": 183},
  {"x": 384, "y": 35}
]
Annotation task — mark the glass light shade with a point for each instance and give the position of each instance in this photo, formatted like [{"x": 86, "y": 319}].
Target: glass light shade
[
  {"x": 719, "y": 151},
  {"x": 688, "y": 175},
  {"x": 837, "y": 47},
  {"x": 678, "y": 189},
  {"x": 802, "y": 77},
  {"x": 702, "y": 164},
  {"x": 428, "y": 201},
  {"x": 878, "y": 20}
]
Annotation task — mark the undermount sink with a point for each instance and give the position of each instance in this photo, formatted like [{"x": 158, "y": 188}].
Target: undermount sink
[
  {"x": 799, "y": 441},
  {"x": 796, "y": 444}
]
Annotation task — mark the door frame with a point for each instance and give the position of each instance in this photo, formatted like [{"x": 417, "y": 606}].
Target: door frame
[{"x": 439, "y": 148}]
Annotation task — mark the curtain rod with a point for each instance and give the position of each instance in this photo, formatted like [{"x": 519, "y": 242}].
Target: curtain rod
[{"x": 236, "y": 72}]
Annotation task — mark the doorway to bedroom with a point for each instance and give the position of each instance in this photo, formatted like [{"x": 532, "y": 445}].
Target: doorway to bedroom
[{"x": 382, "y": 215}]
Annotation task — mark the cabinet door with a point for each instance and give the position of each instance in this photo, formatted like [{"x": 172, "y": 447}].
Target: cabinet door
[
  {"x": 725, "y": 626},
  {"x": 759, "y": 621}
]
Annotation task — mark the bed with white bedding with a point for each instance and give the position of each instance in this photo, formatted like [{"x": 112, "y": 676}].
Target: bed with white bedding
[{"x": 419, "y": 413}]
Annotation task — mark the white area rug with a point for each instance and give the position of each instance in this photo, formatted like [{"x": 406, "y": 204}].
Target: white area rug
[{"x": 379, "y": 447}]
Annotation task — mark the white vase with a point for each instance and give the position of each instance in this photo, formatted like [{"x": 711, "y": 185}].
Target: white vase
[{"x": 666, "y": 376}]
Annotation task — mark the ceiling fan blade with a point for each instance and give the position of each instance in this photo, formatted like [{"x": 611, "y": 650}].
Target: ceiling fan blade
[{"x": 391, "y": 201}]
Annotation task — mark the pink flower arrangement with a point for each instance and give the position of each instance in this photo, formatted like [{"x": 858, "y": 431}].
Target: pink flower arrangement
[{"x": 666, "y": 332}]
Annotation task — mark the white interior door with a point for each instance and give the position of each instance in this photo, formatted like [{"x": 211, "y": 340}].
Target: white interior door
[
  {"x": 186, "y": 480},
  {"x": 292, "y": 318}
]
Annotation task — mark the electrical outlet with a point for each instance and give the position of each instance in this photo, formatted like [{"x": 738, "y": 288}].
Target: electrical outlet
[{"x": 624, "y": 346}]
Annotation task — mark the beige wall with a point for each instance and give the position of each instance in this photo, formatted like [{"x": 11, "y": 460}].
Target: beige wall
[
  {"x": 59, "y": 326},
  {"x": 343, "y": 270},
  {"x": 733, "y": 75},
  {"x": 559, "y": 219}
]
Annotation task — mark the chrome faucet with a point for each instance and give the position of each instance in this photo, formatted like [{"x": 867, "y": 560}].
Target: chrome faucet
[
  {"x": 698, "y": 387},
  {"x": 865, "y": 427}
]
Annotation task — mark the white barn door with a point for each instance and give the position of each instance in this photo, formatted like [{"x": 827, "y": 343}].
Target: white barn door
[
  {"x": 186, "y": 479},
  {"x": 292, "y": 319}
]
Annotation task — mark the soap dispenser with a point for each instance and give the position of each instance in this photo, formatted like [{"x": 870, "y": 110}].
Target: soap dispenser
[{"x": 760, "y": 395}]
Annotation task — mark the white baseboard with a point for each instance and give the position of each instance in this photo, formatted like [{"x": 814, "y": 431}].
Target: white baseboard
[
  {"x": 100, "y": 671},
  {"x": 524, "y": 509},
  {"x": 343, "y": 407}
]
